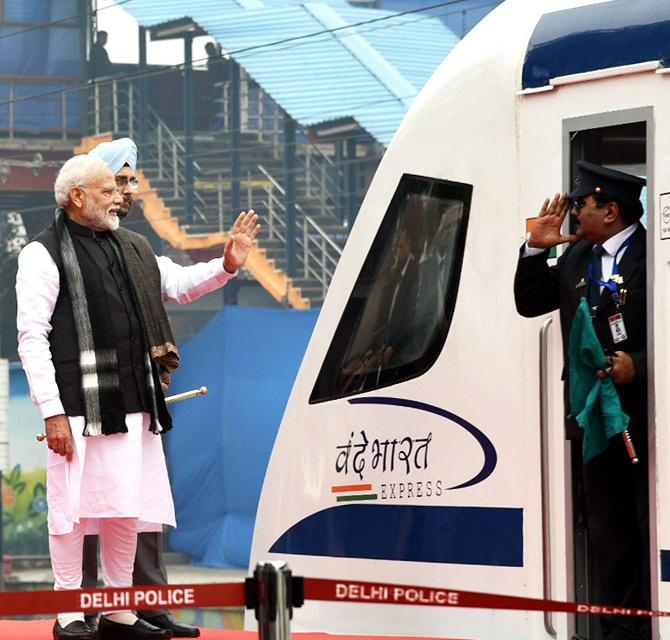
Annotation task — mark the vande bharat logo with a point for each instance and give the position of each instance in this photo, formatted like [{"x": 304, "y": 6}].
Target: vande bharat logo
[{"x": 364, "y": 454}]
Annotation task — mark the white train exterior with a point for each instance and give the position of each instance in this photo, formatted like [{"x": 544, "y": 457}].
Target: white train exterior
[{"x": 442, "y": 461}]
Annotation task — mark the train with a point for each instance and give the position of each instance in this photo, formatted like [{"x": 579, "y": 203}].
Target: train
[{"x": 423, "y": 441}]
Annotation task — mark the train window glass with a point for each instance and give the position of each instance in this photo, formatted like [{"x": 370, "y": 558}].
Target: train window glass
[{"x": 398, "y": 315}]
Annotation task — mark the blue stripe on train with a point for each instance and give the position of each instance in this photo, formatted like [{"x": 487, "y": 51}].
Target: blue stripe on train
[
  {"x": 665, "y": 565},
  {"x": 453, "y": 535},
  {"x": 597, "y": 36}
]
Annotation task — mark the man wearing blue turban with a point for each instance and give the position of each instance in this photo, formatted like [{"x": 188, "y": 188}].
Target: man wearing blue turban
[{"x": 117, "y": 154}]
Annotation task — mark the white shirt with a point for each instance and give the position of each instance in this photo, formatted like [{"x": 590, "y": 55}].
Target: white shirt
[
  {"x": 611, "y": 247},
  {"x": 37, "y": 287}
]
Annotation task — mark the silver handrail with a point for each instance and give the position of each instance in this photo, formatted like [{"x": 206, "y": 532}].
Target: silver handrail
[
  {"x": 310, "y": 220},
  {"x": 319, "y": 254},
  {"x": 322, "y": 177},
  {"x": 261, "y": 115},
  {"x": 269, "y": 176},
  {"x": 544, "y": 472},
  {"x": 328, "y": 240}
]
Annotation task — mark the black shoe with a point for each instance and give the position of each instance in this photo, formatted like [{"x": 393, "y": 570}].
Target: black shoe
[
  {"x": 179, "y": 630},
  {"x": 91, "y": 619},
  {"x": 141, "y": 630},
  {"x": 77, "y": 630}
]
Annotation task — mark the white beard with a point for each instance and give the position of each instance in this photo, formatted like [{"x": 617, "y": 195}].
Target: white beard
[{"x": 100, "y": 218}]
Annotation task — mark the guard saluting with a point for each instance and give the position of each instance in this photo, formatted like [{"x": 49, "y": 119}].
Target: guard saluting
[{"x": 605, "y": 265}]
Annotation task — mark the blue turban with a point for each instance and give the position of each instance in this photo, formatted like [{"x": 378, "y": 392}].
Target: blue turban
[{"x": 117, "y": 153}]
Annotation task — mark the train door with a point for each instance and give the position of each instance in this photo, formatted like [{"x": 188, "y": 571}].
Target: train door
[
  {"x": 619, "y": 141},
  {"x": 658, "y": 284}
]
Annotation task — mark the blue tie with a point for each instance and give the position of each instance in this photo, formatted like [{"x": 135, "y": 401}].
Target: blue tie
[{"x": 594, "y": 285}]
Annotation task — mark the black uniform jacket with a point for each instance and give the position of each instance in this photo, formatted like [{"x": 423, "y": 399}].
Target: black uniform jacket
[{"x": 540, "y": 289}]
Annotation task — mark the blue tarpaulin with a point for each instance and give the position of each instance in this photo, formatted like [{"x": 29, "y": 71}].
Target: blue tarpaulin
[
  {"x": 40, "y": 55},
  {"x": 220, "y": 446}
]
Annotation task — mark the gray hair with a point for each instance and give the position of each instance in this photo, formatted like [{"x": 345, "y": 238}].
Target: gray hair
[{"x": 76, "y": 172}]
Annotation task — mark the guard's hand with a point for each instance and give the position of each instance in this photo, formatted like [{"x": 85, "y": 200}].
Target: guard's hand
[
  {"x": 242, "y": 236},
  {"x": 59, "y": 435},
  {"x": 620, "y": 368},
  {"x": 546, "y": 231}
]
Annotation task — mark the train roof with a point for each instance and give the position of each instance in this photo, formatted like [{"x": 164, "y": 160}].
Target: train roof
[{"x": 598, "y": 36}]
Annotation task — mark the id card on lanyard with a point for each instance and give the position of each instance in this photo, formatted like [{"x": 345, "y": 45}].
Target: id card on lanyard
[
  {"x": 617, "y": 328},
  {"x": 616, "y": 322}
]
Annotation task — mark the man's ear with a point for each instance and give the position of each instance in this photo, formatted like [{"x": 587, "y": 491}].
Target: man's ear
[
  {"x": 612, "y": 212},
  {"x": 77, "y": 197}
]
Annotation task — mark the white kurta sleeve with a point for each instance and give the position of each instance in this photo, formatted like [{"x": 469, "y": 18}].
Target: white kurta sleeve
[
  {"x": 185, "y": 284},
  {"x": 37, "y": 287}
]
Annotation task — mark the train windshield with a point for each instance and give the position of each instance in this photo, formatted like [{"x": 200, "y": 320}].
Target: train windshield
[{"x": 398, "y": 315}]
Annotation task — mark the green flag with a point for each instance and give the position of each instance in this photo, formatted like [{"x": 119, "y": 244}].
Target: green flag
[{"x": 594, "y": 402}]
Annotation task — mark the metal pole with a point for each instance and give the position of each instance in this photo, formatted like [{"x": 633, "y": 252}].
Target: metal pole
[
  {"x": 270, "y": 210},
  {"x": 351, "y": 190},
  {"x": 272, "y": 599},
  {"x": 11, "y": 110},
  {"x": 160, "y": 150},
  {"x": 289, "y": 195},
  {"x": 188, "y": 127},
  {"x": 175, "y": 173},
  {"x": 131, "y": 109},
  {"x": 322, "y": 189},
  {"x": 96, "y": 107},
  {"x": 144, "y": 89},
  {"x": 324, "y": 276},
  {"x": 115, "y": 106},
  {"x": 85, "y": 36},
  {"x": 305, "y": 249},
  {"x": 219, "y": 192},
  {"x": 63, "y": 107},
  {"x": 342, "y": 183},
  {"x": 235, "y": 138}
]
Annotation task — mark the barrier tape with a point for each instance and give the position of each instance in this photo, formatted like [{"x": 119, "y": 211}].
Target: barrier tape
[
  {"x": 384, "y": 593},
  {"x": 15, "y": 603}
]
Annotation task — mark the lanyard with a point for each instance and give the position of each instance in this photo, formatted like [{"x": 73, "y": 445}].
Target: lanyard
[{"x": 613, "y": 283}]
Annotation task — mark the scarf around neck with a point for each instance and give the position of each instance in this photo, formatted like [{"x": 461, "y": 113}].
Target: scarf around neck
[{"x": 98, "y": 359}]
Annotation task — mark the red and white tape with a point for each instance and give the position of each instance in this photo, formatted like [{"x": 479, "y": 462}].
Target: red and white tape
[
  {"x": 384, "y": 593},
  {"x": 15, "y": 603}
]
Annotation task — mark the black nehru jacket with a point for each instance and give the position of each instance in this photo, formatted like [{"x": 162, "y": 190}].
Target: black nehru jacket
[{"x": 124, "y": 318}]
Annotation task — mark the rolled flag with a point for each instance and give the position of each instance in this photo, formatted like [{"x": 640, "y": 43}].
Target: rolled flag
[{"x": 594, "y": 401}]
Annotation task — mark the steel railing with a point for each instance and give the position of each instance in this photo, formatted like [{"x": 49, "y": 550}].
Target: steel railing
[
  {"x": 115, "y": 106},
  {"x": 317, "y": 254}
]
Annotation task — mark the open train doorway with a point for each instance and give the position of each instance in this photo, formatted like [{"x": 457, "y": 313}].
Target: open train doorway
[{"x": 619, "y": 141}]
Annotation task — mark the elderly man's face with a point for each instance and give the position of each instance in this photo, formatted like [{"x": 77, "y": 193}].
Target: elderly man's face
[
  {"x": 125, "y": 179},
  {"x": 101, "y": 203}
]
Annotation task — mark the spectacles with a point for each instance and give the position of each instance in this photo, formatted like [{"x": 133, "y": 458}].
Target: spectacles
[
  {"x": 122, "y": 182},
  {"x": 108, "y": 193}
]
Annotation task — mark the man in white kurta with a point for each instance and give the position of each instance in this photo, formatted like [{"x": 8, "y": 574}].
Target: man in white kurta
[
  {"x": 178, "y": 284},
  {"x": 119, "y": 478}
]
